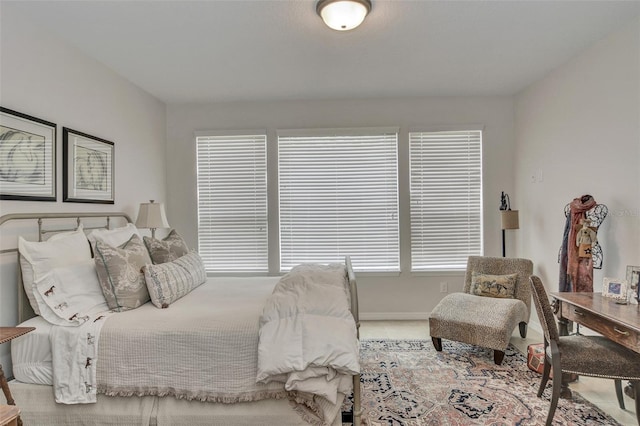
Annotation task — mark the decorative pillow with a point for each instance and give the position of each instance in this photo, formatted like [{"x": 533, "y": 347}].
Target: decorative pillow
[
  {"x": 114, "y": 237},
  {"x": 170, "y": 281},
  {"x": 120, "y": 273},
  {"x": 501, "y": 286},
  {"x": 166, "y": 250},
  {"x": 38, "y": 258},
  {"x": 70, "y": 295}
]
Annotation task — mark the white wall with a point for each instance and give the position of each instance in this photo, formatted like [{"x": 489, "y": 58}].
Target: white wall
[
  {"x": 403, "y": 296},
  {"x": 581, "y": 126},
  {"x": 44, "y": 77}
]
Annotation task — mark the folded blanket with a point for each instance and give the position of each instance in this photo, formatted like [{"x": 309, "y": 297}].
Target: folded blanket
[{"x": 308, "y": 338}]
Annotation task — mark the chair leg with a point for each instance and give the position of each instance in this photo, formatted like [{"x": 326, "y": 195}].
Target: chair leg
[
  {"x": 523, "y": 329},
  {"x": 437, "y": 343},
  {"x": 557, "y": 384},
  {"x": 636, "y": 388},
  {"x": 498, "y": 356},
  {"x": 545, "y": 377},
  {"x": 619, "y": 394}
]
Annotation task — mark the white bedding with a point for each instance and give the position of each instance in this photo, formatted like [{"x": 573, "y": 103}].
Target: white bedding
[
  {"x": 31, "y": 354},
  {"x": 159, "y": 352}
]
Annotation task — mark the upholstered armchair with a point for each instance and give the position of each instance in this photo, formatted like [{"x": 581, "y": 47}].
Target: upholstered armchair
[{"x": 496, "y": 299}]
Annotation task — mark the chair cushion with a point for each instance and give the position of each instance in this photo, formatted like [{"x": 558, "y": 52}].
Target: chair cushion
[
  {"x": 487, "y": 285},
  {"x": 598, "y": 356},
  {"x": 482, "y": 321}
]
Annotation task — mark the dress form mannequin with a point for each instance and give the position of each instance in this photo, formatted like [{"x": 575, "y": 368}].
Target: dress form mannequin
[{"x": 576, "y": 273}]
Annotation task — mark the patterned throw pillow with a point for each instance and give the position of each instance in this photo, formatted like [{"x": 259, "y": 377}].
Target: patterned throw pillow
[
  {"x": 501, "y": 286},
  {"x": 166, "y": 250},
  {"x": 170, "y": 281},
  {"x": 120, "y": 273}
]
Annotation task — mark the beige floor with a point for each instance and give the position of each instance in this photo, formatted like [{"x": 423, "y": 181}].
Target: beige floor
[{"x": 600, "y": 392}]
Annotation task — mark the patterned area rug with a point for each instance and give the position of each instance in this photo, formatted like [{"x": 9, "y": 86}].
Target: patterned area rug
[{"x": 408, "y": 383}]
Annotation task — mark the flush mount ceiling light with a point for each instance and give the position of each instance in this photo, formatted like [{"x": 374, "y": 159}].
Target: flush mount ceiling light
[{"x": 343, "y": 15}]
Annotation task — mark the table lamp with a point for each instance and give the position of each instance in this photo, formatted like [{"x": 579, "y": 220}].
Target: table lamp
[{"x": 151, "y": 215}]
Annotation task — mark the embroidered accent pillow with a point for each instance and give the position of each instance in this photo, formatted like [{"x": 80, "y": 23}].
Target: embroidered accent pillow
[
  {"x": 170, "y": 281},
  {"x": 166, "y": 250},
  {"x": 120, "y": 273},
  {"x": 500, "y": 286}
]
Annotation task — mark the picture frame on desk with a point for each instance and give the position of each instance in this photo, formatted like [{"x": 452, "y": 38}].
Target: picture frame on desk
[
  {"x": 633, "y": 279},
  {"x": 615, "y": 288}
]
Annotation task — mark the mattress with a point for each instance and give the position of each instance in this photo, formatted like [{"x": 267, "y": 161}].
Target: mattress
[{"x": 31, "y": 354}]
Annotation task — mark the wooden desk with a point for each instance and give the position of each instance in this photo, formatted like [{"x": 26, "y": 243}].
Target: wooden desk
[
  {"x": 620, "y": 323},
  {"x": 7, "y": 334}
]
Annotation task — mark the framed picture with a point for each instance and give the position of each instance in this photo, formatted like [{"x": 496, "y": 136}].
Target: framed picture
[
  {"x": 27, "y": 157},
  {"x": 633, "y": 279},
  {"x": 614, "y": 288},
  {"x": 88, "y": 168}
]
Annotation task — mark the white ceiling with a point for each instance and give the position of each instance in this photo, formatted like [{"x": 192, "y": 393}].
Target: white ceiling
[{"x": 234, "y": 50}]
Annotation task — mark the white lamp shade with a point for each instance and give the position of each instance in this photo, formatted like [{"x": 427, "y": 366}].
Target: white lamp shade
[
  {"x": 151, "y": 215},
  {"x": 343, "y": 15},
  {"x": 510, "y": 219}
]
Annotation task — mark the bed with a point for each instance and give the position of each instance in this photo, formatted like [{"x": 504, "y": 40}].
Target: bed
[{"x": 202, "y": 350}]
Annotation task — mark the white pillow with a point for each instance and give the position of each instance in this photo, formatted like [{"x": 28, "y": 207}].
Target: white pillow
[
  {"x": 113, "y": 237},
  {"x": 70, "y": 295},
  {"x": 38, "y": 258}
]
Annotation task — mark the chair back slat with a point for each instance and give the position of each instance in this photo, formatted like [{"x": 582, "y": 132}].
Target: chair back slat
[{"x": 543, "y": 307}]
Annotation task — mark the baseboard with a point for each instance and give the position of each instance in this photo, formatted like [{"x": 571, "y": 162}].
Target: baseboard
[{"x": 391, "y": 316}]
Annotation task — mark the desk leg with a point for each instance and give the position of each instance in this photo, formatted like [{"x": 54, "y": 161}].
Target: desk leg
[{"x": 565, "y": 391}]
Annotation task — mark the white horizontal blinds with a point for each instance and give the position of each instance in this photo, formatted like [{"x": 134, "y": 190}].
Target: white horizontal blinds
[
  {"x": 446, "y": 199},
  {"x": 232, "y": 203},
  {"x": 339, "y": 196}
]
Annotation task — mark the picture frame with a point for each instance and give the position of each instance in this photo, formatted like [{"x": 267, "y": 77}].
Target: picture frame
[
  {"x": 27, "y": 157},
  {"x": 614, "y": 288},
  {"x": 633, "y": 279},
  {"x": 88, "y": 168}
]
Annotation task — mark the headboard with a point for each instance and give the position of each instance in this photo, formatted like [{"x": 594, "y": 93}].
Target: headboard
[{"x": 63, "y": 223}]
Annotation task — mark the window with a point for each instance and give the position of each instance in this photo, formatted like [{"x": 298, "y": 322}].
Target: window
[
  {"x": 446, "y": 199},
  {"x": 232, "y": 202},
  {"x": 339, "y": 196}
]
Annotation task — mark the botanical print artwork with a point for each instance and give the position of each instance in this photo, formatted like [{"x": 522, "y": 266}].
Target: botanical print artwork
[
  {"x": 91, "y": 169},
  {"x": 21, "y": 156}
]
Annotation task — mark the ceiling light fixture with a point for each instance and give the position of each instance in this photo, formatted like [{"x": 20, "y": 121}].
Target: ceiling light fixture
[{"x": 343, "y": 15}]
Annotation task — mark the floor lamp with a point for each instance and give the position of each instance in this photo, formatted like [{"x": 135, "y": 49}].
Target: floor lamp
[{"x": 509, "y": 218}]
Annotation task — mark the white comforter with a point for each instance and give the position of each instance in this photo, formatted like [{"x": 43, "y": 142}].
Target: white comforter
[{"x": 308, "y": 337}]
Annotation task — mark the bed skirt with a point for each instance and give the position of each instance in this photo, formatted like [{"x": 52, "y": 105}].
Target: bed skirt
[{"x": 38, "y": 408}]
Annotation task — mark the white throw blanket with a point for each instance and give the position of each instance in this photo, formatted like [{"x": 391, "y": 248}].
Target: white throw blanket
[{"x": 308, "y": 337}]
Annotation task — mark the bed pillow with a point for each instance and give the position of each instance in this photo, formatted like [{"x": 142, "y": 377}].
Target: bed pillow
[
  {"x": 166, "y": 250},
  {"x": 500, "y": 286},
  {"x": 70, "y": 295},
  {"x": 120, "y": 273},
  {"x": 38, "y": 258},
  {"x": 114, "y": 237},
  {"x": 170, "y": 281}
]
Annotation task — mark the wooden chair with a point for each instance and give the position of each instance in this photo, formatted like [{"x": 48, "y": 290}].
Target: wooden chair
[{"x": 594, "y": 356}]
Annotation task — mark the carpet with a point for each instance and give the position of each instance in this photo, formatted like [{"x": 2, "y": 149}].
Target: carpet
[{"x": 408, "y": 383}]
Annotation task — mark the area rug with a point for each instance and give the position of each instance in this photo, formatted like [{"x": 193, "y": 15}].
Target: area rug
[{"x": 408, "y": 383}]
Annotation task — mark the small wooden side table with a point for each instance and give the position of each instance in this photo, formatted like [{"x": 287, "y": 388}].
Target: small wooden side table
[
  {"x": 9, "y": 415},
  {"x": 7, "y": 334}
]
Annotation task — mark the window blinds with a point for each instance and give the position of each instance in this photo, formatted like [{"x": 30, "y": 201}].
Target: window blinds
[
  {"x": 232, "y": 203},
  {"x": 446, "y": 199},
  {"x": 338, "y": 195}
]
